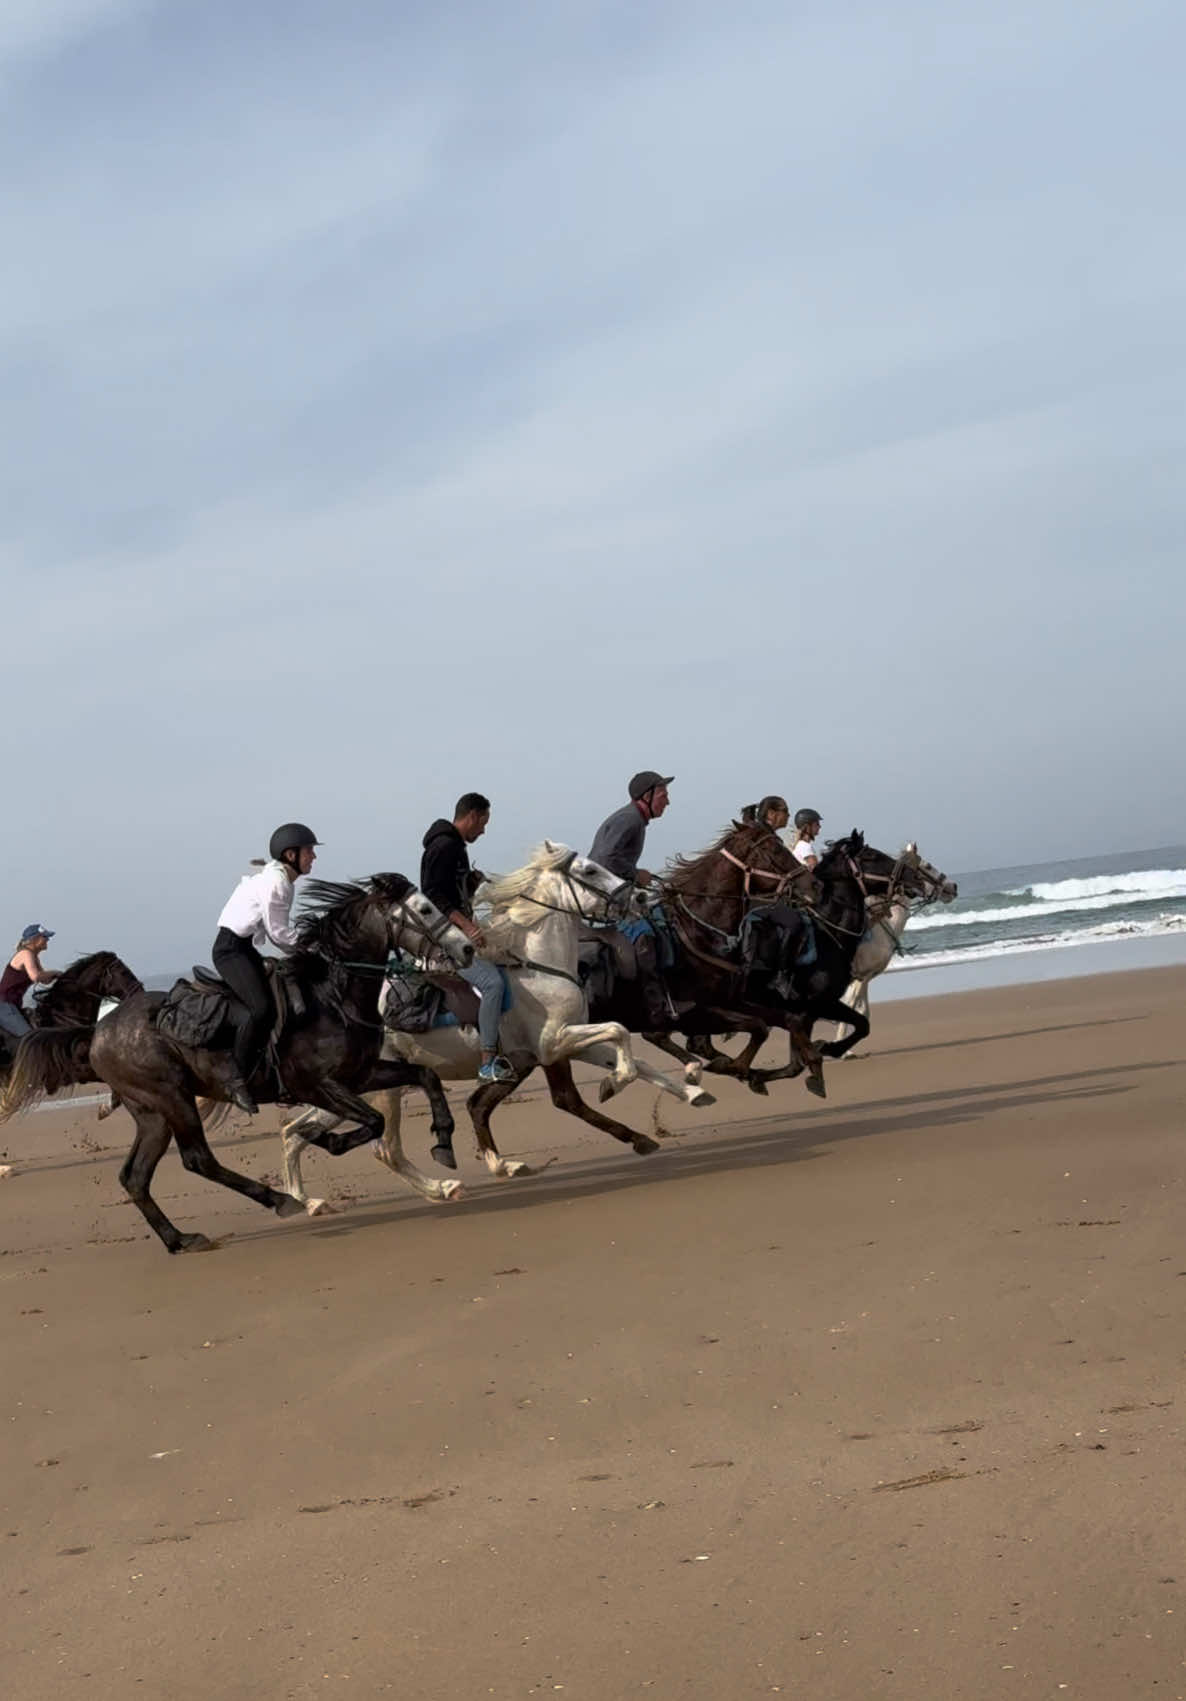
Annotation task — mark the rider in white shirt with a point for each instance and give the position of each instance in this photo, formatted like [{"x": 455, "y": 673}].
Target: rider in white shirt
[
  {"x": 807, "y": 825},
  {"x": 258, "y": 912}
]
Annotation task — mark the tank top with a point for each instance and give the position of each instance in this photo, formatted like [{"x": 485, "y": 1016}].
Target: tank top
[{"x": 14, "y": 983}]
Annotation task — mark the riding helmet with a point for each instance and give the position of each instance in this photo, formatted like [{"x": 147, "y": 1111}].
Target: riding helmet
[
  {"x": 294, "y": 835},
  {"x": 805, "y": 817}
]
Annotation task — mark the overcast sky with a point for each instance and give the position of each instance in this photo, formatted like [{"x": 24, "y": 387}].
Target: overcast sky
[{"x": 398, "y": 399}]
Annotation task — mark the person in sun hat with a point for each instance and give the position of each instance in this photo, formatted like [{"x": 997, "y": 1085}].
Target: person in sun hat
[{"x": 23, "y": 971}]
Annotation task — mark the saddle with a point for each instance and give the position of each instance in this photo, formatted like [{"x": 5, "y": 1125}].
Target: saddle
[
  {"x": 195, "y": 1010},
  {"x": 417, "y": 1003}
]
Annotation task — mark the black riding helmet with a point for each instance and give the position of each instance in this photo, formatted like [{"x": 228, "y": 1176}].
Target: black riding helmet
[
  {"x": 805, "y": 817},
  {"x": 293, "y": 836}
]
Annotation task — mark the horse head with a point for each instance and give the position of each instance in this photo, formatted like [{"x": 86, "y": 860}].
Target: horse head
[{"x": 415, "y": 924}]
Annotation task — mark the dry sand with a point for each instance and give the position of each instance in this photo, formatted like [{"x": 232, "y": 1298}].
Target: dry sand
[{"x": 881, "y": 1397}]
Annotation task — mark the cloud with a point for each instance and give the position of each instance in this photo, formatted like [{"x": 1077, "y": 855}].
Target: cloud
[{"x": 396, "y": 401}]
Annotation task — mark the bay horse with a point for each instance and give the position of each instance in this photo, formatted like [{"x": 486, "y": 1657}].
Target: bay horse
[{"x": 345, "y": 933}]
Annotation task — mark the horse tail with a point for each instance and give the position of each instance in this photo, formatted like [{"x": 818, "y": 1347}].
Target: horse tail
[
  {"x": 47, "y": 1060},
  {"x": 213, "y": 1112}
]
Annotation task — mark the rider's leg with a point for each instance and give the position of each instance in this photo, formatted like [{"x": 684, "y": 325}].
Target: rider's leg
[
  {"x": 654, "y": 997},
  {"x": 487, "y": 980},
  {"x": 13, "y": 1021},
  {"x": 242, "y": 967}
]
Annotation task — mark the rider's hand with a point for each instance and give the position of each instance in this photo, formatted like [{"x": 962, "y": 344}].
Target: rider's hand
[{"x": 475, "y": 936}]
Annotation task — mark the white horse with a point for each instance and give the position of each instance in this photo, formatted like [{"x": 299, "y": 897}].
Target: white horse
[
  {"x": 888, "y": 920},
  {"x": 535, "y": 918}
]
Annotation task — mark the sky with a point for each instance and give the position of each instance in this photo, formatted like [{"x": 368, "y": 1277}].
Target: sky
[{"x": 398, "y": 400}]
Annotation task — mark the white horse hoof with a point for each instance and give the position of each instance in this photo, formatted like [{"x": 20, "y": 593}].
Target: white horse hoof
[
  {"x": 290, "y": 1206},
  {"x": 694, "y": 1072},
  {"x": 514, "y": 1167},
  {"x": 702, "y": 1099},
  {"x": 442, "y": 1192},
  {"x": 320, "y": 1208}
]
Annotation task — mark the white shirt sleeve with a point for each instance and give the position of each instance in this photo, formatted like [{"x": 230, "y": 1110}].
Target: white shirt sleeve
[
  {"x": 804, "y": 852},
  {"x": 275, "y": 924}
]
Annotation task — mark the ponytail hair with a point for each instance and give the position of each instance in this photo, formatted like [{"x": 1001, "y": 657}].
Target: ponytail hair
[{"x": 754, "y": 812}]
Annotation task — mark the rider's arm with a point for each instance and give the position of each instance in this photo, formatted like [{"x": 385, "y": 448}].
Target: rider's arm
[
  {"x": 277, "y": 922},
  {"x": 27, "y": 961}
]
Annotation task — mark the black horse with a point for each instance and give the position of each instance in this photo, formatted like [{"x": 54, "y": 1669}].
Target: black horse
[
  {"x": 326, "y": 1057},
  {"x": 72, "y": 1001}
]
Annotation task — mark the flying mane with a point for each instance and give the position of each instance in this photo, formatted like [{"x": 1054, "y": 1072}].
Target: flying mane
[
  {"x": 740, "y": 838},
  {"x": 331, "y": 911},
  {"x": 507, "y": 895}
]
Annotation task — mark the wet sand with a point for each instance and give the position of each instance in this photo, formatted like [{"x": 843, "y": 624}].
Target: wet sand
[{"x": 881, "y": 1397}]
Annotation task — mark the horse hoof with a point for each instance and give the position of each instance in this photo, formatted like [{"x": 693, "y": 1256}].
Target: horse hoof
[
  {"x": 320, "y": 1208},
  {"x": 288, "y": 1205},
  {"x": 514, "y": 1168},
  {"x": 195, "y": 1243},
  {"x": 693, "y": 1072},
  {"x": 606, "y": 1089},
  {"x": 443, "y": 1157},
  {"x": 450, "y": 1190},
  {"x": 701, "y": 1099},
  {"x": 756, "y": 1084},
  {"x": 817, "y": 1087},
  {"x": 644, "y": 1145}
]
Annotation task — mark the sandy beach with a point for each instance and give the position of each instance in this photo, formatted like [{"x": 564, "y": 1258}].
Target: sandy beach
[{"x": 878, "y": 1397}]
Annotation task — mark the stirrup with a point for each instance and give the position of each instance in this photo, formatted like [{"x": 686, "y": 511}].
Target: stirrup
[{"x": 498, "y": 1069}]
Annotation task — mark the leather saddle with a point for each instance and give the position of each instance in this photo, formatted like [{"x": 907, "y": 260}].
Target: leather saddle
[
  {"x": 286, "y": 994},
  {"x": 418, "y": 1004}
]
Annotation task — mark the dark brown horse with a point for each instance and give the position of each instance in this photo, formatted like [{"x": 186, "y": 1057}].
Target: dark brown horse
[
  {"x": 72, "y": 1001},
  {"x": 326, "y": 1058}
]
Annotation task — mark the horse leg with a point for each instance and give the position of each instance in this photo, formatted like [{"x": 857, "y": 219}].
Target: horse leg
[
  {"x": 195, "y": 1153},
  {"x": 693, "y": 1065},
  {"x": 602, "y": 1051},
  {"x": 389, "y": 1150},
  {"x": 857, "y": 998},
  {"x": 294, "y": 1136},
  {"x": 148, "y": 1148},
  {"x": 391, "y": 1073},
  {"x": 482, "y": 1104},
  {"x": 565, "y": 1097},
  {"x": 836, "y": 1011},
  {"x": 803, "y": 1055}
]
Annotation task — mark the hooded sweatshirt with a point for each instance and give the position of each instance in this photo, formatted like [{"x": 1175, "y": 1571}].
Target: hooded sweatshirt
[{"x": 445, "y": 877}]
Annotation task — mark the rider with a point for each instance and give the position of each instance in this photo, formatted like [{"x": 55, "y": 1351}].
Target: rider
[
  {"x": 618, "y": 846},
  {"x": 772, "y": 812},
  {"x": 257, "y": 913},
  {"x": 807, "y": 825},
  {"x": 621, "y": 836},
  {"x": 448, "y": 881},
  {"x": 23, "y": 971}
]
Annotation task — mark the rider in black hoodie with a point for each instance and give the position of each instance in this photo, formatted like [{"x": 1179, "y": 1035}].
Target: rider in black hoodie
[{"x": 449, "y": 882}]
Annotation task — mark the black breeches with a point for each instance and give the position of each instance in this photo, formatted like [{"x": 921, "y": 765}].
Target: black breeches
[{"x": 242, "y": 967}]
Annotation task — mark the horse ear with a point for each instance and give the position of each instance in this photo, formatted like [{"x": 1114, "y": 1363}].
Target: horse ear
[
  {"x": 549, "y": 846},
  {"x": 912, "y": 849}
]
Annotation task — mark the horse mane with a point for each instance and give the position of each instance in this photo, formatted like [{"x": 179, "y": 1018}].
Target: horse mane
[
  {"x": 501, "y": 890},
  {"x": 48, "y": 997},
  {"x": 331, "y": 910},
  {"x": 507, "y": 895},
  {"x": 739, "y": 837}
]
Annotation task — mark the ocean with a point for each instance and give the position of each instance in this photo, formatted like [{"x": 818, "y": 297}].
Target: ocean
[{"x": 1008, "y": 921}]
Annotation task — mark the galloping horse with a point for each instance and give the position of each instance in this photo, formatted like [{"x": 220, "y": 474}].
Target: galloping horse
[
  {"x": 534, "y": 927},
  {"x": 888, "y": 916},
  {"x": 325, "y": 1057},
  {"x": 72, "y": 1001}
]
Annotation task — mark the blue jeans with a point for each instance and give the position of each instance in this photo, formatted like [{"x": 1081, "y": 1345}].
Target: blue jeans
[
  {"x": 485, "y": 978},
  {"x": 12, "y": 1021}
]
